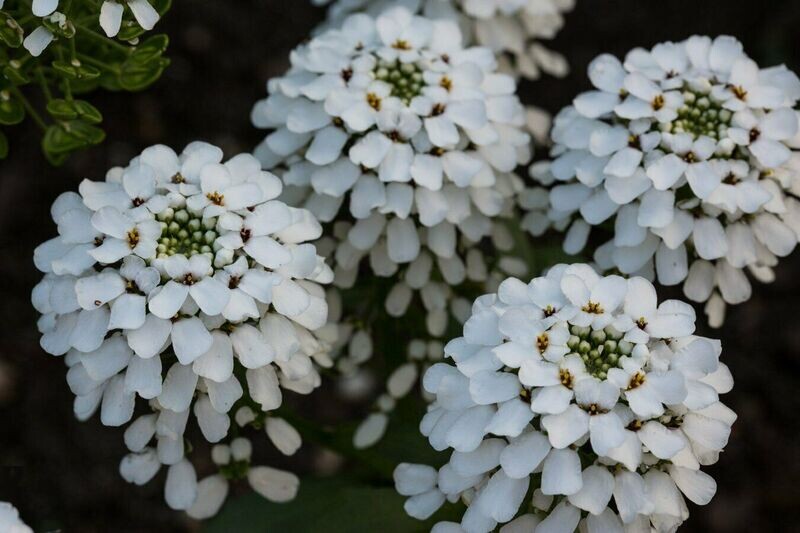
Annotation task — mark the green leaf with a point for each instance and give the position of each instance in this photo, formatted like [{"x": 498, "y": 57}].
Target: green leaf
[
  {"x": 150, "y": 49},
  {"x": 162, "y": 6},
  {"x": 61, "y": 109},
  {"x": 77, "y": 70},
  {"x": 68, "y": 110},
  {"x": 134, "y": 76},
  {"x": 15, "y": 75},
  {"x": 84, "y": 131},
  {"x": 88, "y": 112},
  {"x": 3, "y": 145},
  {"x": 332, "y": 506},
  {"x": 67, "y": 31},
  {"x": 10, "y": 31},
  {"x": 11, "y": 111},
  {"x": 69, "y": 136},
  {"x": 56, "y": 159},
  {"x": 129, "y": 30}
]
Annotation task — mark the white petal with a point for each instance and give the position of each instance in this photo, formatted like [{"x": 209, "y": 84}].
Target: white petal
[
  {"x": 111, "y": 17},
  {"x": 169, "y": 300},
  {"x": 118, "y": 404},
  {"x": 180, "y": 489},
  {"x": 598, "y": 485},
  {"x": 190, "y": 339},
  {"x": 562, "y": 473},
  {"x": 565, "y": 428},
  {"x": 274, "y": 485},
  {"x": 178, "y": 388},
  {"x": 523, "y": 455},
  {"x": 149, "y": 339}
]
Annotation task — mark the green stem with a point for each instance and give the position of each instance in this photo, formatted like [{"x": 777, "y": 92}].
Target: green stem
[
  {"x": 29, "y": 108},
  {"x": 72, "y": 51},
  {"x": 97, "y": 63},
  {"x": 67, "y": 89},
  {"x": 103, "y": 39},
  {"x": 67, "y": 86},
  {"x": 43, "y": 82}
]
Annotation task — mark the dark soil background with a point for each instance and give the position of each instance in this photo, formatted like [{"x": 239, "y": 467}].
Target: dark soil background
[{"x": 62, "y": 474}]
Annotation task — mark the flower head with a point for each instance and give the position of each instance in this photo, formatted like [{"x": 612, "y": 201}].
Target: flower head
[
  {"x": 686, "y": 151},
  {"x": 182, "y": 281},
  {"x": 416, "y": 134},
  {"x": 606, "y": 419}
]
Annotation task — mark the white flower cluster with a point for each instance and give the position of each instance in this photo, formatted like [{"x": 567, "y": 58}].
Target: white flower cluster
[
  {"x": 181, "y": 280},
  {"x": 418, "y": 135},
  {"x": 10, "y": 521},
  {"x": 584, "y": 390},
  {"x": 512, "y": 27},
  {"x": 686, "y": 151},
  {"x": 111, "y": 12}
]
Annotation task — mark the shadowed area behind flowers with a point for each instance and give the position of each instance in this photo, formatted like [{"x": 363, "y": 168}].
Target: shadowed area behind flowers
[{"x": 63, "y": 474}]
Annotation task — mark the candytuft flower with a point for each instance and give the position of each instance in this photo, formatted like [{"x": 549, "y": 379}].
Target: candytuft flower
[
  {"x": 686, "y": 150},
  {"x": 416, "y": 134},
  {"x": 606, "y": 423},
  {"x": 181, "y": 280}
]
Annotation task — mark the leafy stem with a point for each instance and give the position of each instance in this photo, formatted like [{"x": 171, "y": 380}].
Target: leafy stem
[{"x": 29, "y": 108}]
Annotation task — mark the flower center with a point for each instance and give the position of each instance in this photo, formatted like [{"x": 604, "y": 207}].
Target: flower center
[
  {"x": 566, "y": 378},
  {"x": 405, "y": 79},
  {"x": 185, "y": 233},
  {"x": 658, "y": 102},
  {"x": 374, "y": 101},
  {"x": 700, "y": 115},
  {"x": 542, "y": 342},
  {"x": 216, "y": 198},
  {"x": 600, "y": 349},
  {"x": 637, "y": 380},
  {"x": 133, "y": 238},
  {"x": 593, "y": 308}
]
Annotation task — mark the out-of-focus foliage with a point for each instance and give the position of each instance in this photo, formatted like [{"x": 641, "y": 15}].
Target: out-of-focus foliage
[{"x": 48, "y": 85}]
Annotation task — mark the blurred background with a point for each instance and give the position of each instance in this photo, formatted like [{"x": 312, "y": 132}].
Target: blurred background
[{"x": 62, "y": 474}]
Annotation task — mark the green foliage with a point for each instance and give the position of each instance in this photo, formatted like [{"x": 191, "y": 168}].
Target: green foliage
[
  {"x": 332, "y": 506},
  {"x": 364, "y": 500},
  {"x": 79, "y": 60}
]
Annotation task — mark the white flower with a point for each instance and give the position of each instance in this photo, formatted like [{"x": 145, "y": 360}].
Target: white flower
[
  {"x": 37, "y": 40},
  {"x": 686, "y": 150},
  {"x": 124, "y": 234},
  {"x": 148, "y": 295},
  {"x": 616, "y": 416},
  {"x": 109, "y": 17},
  {"x": 10, "y": 520}
]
